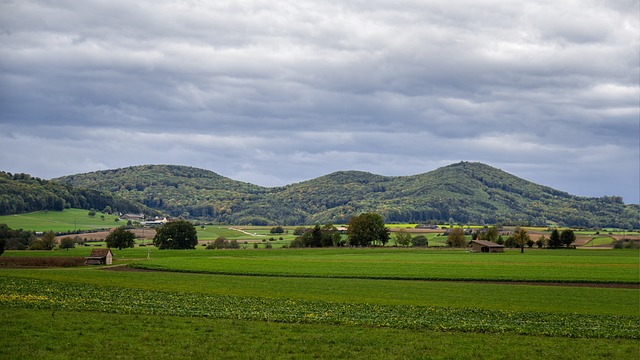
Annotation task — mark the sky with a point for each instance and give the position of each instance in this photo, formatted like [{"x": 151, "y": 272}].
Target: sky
[{"x": 278, "y": 92}]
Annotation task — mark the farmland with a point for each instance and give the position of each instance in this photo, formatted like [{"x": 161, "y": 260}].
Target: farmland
[
  {"x": 60, "y": 221},
  {"x": 331, "y": 303}
]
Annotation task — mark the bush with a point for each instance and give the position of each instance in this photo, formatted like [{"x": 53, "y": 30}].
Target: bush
[
  {"x": 420, "y": 240},
  {"x": 297, "y": 243}
]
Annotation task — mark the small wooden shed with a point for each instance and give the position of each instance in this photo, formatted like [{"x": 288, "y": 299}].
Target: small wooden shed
[
  {"x": 99, "y": 257},
  {"x": 485, "y": 246}
]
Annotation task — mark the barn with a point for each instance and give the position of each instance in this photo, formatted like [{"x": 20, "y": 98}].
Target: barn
[
  {"x": 99, "y": 257},
  {"x": 485, "y": 246}
]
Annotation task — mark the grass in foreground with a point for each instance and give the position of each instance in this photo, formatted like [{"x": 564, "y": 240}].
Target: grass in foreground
[
  {"x": 38, "y": 294},
  {"x": 41, "y": 334},
  {"x": 553, "y": 299}
]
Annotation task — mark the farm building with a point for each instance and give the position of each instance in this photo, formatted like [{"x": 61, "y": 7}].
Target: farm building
[
  {"x": 99, "y": 257},
  {"x": 134, "y": 217},
  {"x": 485, "y": 246}
]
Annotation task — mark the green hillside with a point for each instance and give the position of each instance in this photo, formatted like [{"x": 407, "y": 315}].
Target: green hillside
[
  {"x": 464, "y": 192},
  {"x": 22, "y": 193}
]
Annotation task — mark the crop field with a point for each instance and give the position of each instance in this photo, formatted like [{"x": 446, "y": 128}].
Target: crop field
[{"x": 326, "y": 303}]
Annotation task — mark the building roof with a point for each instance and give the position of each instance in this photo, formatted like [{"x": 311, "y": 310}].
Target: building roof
[
  {"x": 100, "y": 253},
  {"x": 487, "y": 243}
]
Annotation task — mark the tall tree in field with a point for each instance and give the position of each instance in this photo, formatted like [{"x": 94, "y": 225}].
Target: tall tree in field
[
  {"x": 567, "y": 237},
  {"x": 456, "y": 238},
  {"x": 121, "y": 238},
  {"x": 403, "y": 238},
  {"x": 176, "y": 235},
  {"x": 366, "y": 229},
  {"x": 554, "y": 239},
  {"x": 521, "y": 237}
]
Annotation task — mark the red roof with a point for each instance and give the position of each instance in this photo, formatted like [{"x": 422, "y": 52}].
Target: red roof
[
  {"x": 100, "y": 253},
  {"x": 487, "y": 243}
]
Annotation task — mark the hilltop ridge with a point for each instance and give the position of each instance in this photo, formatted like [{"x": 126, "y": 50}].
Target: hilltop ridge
[{"x": 463, "y": 192}]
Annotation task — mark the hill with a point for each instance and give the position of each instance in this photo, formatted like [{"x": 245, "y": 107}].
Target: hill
[
  {"x": 22, "y": 193},
  {"x": 463, "y": 192}
]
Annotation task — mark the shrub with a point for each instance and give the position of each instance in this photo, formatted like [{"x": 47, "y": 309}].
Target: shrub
[{"x": 420, "y": 240}]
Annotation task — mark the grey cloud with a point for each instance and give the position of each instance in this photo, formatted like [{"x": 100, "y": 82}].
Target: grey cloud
[{"x": 323, "y": 86}]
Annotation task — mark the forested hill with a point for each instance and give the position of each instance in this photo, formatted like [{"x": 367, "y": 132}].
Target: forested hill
[
  {"x": 464, "y": 192},
  {"x": 21, "y": 193}
]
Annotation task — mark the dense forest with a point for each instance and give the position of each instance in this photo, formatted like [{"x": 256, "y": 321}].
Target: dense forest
[
  {"x": 21, "y": 193},
  {"x": 462, "y": 193}
]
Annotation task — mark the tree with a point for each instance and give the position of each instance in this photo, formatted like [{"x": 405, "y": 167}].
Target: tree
[
  {"x": 366, "y": 229},
  {"x": 487, "y": 233},
  {"x": 219, "y": 243},
  {"x": 554, "y": 239},
  {"x": 299, "y": 230},
  {"x": 456, "y": 238},
  {"x": 420, "y": 240},
  {"x": 176, "y": 235},
  {"x": 3, "y": 242},
  {"x": 92, "y": 212},
  {"x": 121, "y": 238},
  {"x": 542, "y": 241},
  {"x": 567, "y": 237},
  {"x": 67, "y": 242},
  {"x": 521, "y": 237},
  {"x": 47, "y": 242},
  {"x": 403, "y": 238}
]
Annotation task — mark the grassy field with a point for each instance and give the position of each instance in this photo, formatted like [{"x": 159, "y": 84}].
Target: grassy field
[
  {"x": 79, "y": 334},
  {"x": 395, "y": 263},
  {"x": 380, "y": 303},
  {"x": 60, "y": 221}
]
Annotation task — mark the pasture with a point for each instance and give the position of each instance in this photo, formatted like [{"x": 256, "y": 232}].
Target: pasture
[
  {"x": 61, "y": 221},
  {"x": 326, "y": 303}
]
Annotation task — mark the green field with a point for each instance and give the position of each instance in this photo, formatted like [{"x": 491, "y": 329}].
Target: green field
[
  {"x": 394, "y": 263},
  {"x": 326, "y": 303},
  {"x": 61, "y": 221}
]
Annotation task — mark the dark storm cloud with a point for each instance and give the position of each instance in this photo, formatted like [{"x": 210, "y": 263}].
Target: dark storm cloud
[{"x": 284, "y": 91}]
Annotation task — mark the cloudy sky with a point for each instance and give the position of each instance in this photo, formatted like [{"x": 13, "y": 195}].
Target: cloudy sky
[{"x": 276, "y": 92}]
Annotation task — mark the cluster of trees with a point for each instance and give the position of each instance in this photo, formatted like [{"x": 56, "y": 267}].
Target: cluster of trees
[
  {"x": 366, "y": 229},
  {"x": 403, "y": 238},
  {"x": 325, "y": 236},
  {"x": 222, "y": 243},
  {"x": 16, "y": 239},
  {"x": 561, "y": 239}
]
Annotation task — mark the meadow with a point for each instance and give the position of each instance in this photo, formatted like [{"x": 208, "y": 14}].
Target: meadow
[
  {"x": 327, "y": 303},
  {"x": 61, "y": 221}
]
